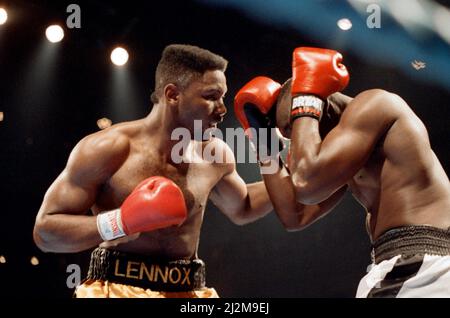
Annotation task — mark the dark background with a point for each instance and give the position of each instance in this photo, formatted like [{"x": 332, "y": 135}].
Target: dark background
[{"x": 52, "y": 96}]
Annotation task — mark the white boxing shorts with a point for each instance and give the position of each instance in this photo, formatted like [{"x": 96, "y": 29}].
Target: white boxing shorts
[{"x": 409, "y": 262}]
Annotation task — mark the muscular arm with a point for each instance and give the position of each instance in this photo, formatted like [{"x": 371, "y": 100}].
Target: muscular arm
[
  {"x": 63, "y": 224},
  {"x": 241, "y": 203},
  {"x": 292, "y": 214},
  {"x": 319, "y": 168}
]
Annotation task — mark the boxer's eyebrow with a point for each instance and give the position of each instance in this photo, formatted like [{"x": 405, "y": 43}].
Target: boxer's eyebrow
[{"x": 215, "y": 91}]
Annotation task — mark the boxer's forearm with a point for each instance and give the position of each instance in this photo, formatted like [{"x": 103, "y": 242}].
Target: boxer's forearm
[
  {"x": 282, "y": 194},
  {"x": 311, "y": 179},
  {"x": 65, "y": 233},
  {"x": 294, "y": 215}
]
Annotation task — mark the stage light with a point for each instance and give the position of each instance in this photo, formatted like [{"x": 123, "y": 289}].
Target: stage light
[
  {"x": 344, "y": 24},
  {"x": 119, "y": 56},
  {"x": 54, "y": 33},
  {"x": 104, "y": 123},
  {"x": 34, "y": 261},
  {"x": 2, "y": 259},
  {"x": 3, "y": 16},
  {"x": 2, "y": 116}
]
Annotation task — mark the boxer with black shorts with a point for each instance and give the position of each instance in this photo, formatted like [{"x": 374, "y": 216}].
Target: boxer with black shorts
[{"x": 375, "y": 146}]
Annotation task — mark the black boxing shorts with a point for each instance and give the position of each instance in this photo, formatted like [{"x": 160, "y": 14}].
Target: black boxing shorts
[{"x": 142, "y": 271}]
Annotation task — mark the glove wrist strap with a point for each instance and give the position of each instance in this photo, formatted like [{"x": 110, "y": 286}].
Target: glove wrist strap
[
  {"x": 109, "y": 225},
  {"x": 306, "y": 106}
]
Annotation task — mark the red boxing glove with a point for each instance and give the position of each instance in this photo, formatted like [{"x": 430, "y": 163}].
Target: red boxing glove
[
  {"x": 261, "y": 93},
  {"x": 155, "y": 203},
  {"x": 253, "y": 106},
  {"x": 316, "y": 74}
]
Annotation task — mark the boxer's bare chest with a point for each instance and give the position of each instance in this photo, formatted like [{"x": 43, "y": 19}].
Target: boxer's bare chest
[
  {"x": 194, "y": 179},
  {"x": 365, "y": 186}
]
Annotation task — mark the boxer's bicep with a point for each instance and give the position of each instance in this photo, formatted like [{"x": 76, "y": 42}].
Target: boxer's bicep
[
  {"x": 67, "y": 197},
  {"x": 240, "y": 202},
  {"x": 62, "y": 224},
  {"x": 230, "y": 194},
  {"x": 347, "y": 147}
]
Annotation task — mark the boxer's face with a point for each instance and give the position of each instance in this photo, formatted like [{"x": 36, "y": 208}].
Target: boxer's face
[{"x": 202, "y": 100}]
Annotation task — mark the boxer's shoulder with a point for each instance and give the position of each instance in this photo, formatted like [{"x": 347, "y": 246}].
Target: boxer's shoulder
[
  {"x": 107, "y": 149},
  {"x": 223, "y": 153},
  {"x": 377, "y": 99},
  {"x": 104, "y": 142},
  {"x": 375, "y": 106}
]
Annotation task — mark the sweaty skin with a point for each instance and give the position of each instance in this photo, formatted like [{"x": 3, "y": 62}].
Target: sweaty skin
[
  {"x": 106, "y": 166},
  {"x": 373, "y": 144}
]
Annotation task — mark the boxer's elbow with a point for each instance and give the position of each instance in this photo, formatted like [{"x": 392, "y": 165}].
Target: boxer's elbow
[
  {"x": 306, "y": 190},
  {"x": 299, "y": 224},
  {"x": 234, "y": 214},
  {"x": 240, "y": 222},
  {"x": 289, "y": 217},
  {"x": 304, "y": 181},
  {"x": 294, "y": 216},
  {"x": 292, "y": 226},
  {"x": 41, "y": 235},
  {"x": 38, "y": 237},
  {"x": 295, "y": 227},
  {"x": 239, "y": 218},
  {"x": 308, "y": 196},
  {"x": 246, "y": 215}
]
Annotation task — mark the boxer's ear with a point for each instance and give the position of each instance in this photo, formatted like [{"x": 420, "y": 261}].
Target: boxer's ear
[{"x": 171, "y": 94}]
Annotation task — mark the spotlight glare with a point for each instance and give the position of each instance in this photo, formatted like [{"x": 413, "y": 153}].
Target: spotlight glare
[
  {"x": 442, "y": 22},
  {"x": 344, "y": 24},
  {"x": 119, "y": 56},
  {"x": 2, "y": 259},
  {"x": 3, "y": 16},
  {"x": 54, "y": 33}
]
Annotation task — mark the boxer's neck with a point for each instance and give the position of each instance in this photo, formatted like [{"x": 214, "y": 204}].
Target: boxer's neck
[
  {"x": 339, "y": 102},
  {"x": 160, "y": 123},
  {"x": 336, "y": 105}
]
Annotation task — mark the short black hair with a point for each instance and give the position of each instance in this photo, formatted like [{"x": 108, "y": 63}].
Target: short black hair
[{"x": 181, "y": 63}]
